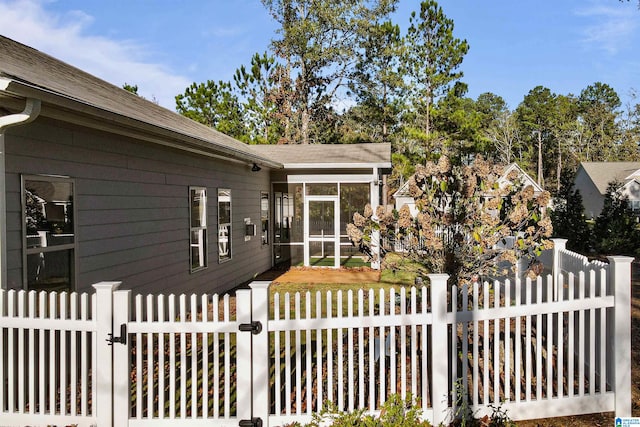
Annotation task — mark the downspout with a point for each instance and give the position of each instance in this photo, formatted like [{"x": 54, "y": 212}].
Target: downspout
[{"x": 30, "y": 112}]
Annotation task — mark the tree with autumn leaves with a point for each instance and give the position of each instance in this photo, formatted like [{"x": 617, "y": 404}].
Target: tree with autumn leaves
[{"x": 467, "y": 223}]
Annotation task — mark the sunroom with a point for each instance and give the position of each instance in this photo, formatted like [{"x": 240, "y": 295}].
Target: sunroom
[{"x": 315, "y": 196}]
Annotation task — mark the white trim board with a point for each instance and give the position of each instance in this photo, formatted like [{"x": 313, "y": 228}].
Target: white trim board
[{"x": 311, "y": 179}]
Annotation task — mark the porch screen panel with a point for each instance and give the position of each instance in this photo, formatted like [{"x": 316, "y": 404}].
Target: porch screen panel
[
  {"x": 353, "y": 198},
  {"x": 323, "y": 189},
  {"x": 288, "y": 221}
]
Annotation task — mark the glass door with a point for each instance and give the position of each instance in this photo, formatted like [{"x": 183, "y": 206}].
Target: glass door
[{"x": 322, "y": 231}]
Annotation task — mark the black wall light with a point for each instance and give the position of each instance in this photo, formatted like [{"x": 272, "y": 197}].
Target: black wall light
[{"x": 255, "y": 168}]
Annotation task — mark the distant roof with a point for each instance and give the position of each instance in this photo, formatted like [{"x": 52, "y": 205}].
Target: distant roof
[
  {"x": 325, "y": 155},
  {"x": 602, "y": 173},
  {"x": 525, "y": 178},
  {"x": 26, "y": 72}
]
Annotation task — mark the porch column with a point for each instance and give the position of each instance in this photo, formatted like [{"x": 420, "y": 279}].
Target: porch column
[
  {"x": 374, "y": 200},
  {"x": 3, "y": 217}
]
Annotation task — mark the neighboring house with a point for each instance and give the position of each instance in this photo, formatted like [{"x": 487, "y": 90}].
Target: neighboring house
[
  {"x": 403, "y": 197},
  {"x": 100, "y": 185},
  {"x": 593, "y": 178}
]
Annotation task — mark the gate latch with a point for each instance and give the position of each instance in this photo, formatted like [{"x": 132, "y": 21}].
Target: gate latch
[
  {"x": 122, "y": 339},
  {"x": 253, "y": 422},
  {"x": 254, "y": 327}
]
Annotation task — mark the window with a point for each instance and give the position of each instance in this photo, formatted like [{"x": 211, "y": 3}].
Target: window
[
  {"x": 264, "y": 216},
  {"x": 224, "y": 225},
  {"x": 198, "y": 227},
  {"x": 49, "y": 233}
]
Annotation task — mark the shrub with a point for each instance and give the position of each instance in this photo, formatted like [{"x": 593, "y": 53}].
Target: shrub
[
  {"x": 467, "y": 216},
  {"x": 395, "y": 412}
]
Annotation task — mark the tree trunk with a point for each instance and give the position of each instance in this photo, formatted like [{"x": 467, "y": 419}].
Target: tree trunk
[
  {"x": 427, "y": 131},
  {"x": 540, "y": 176},
  {"x": 385, "y": 191},
  {"x": 384, "y": 114},
  {"x": 304, "y": 126},
  {"x": 559, "y": 168}
]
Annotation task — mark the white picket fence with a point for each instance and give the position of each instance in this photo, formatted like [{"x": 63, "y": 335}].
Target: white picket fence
[{"x": 559, "y": 345}]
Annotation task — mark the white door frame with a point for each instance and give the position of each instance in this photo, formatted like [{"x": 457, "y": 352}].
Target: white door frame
[{"x": 336, "y": 227}]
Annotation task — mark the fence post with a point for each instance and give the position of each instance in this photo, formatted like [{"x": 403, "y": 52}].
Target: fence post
[
  {"x": 620, "y": 284},
  {"x": 260, "y": 313},
  {"x": 439, "y": 348},
  {"x": 243, "y": 356},
  {"x": 121, "y": 360},
  {"x": 103, "y": 403},
  {"x": 558, "y": 245}
]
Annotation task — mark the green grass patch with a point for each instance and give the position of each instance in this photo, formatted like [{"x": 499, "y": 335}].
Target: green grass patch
[
  {"x": 404, "y": 275},
  {"x": 348, "y": 262}
]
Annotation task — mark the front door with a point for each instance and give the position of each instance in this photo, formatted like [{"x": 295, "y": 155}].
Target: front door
[{"x": 322, "y": 231}]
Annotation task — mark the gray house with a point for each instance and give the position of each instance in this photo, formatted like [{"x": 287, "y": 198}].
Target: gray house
[
  {"x": 100, "y": 184},
  {"x": 592, "y": 179}
]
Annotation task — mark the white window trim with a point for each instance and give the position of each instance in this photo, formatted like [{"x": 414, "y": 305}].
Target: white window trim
[
  {"x": 264, "y": 238},
  {"x": 229, "y": 236}
]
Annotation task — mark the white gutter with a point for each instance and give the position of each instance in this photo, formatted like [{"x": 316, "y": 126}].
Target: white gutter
[{"x": 29, "y": 114}]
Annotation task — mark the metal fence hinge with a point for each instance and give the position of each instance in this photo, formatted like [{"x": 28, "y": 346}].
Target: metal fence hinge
[
  {"x": 122, "y": 339},
  {"x": 253, "y": 422},
  {"x": 254, "y": 327}
]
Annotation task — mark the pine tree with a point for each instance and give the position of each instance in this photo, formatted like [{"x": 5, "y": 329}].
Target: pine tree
[
  {"x": 568, "y": 217},
  {"x": 616, "y": 229}
]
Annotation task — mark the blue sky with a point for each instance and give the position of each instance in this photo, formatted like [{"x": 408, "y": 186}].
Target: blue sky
[{"x": 164, "y": 45}]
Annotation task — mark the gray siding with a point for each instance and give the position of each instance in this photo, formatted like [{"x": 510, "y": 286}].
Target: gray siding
[
  {"x": 132, "y": 205},
  {"x": 592, "y": 199}
]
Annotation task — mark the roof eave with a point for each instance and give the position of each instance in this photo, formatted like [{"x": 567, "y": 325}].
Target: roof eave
[
  {"x": 354, "y": 165},
  {"x": 118, "y": 123}
]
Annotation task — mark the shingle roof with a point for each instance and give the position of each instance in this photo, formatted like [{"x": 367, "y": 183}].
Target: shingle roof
[
  {"x": 327, "y": 154},
  {"x": 33, "y": 72},
  {"x": 602, "y": 173}
]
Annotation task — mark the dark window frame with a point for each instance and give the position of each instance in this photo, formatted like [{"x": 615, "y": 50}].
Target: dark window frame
[{"x": 57, "y": 236}]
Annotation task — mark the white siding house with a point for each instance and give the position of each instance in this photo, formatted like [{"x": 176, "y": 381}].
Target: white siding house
[{"x": 592, "y": 179}]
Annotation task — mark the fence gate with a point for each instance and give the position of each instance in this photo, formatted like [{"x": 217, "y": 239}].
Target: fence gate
[{"x": 184, "y": 358}]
